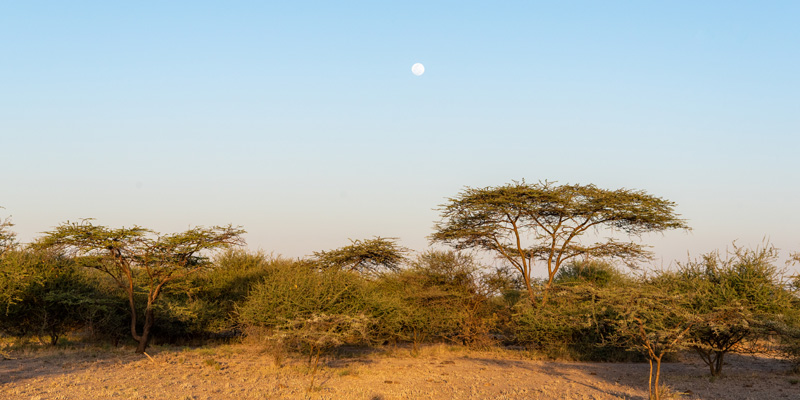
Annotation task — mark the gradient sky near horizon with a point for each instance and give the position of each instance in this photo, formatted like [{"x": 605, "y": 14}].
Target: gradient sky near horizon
[{"x": 302, "y": 122}]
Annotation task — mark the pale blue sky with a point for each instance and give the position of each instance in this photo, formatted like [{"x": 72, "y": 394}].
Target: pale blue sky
[{"x": 302, "y": 122}]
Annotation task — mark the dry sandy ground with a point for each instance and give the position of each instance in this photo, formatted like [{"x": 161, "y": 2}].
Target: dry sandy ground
[{"x": 439, "y": 372}]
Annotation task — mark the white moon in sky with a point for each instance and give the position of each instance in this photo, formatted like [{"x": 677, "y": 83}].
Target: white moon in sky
[{"x": 417, "y": 69}]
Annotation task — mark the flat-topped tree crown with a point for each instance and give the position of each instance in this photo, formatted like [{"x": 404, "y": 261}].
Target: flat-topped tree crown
[
  {"x": 368, "y": 256},
  {"x": 544, "y": 222}
]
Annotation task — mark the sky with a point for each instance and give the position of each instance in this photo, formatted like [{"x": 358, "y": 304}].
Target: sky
[{"x": 302, "y": 122}]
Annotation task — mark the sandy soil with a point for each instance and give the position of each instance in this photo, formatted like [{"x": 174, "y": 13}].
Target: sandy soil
[{"x": 439, "y": 372}]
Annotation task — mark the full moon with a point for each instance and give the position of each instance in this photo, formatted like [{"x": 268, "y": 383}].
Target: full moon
[{"x": 417, "y": 69}]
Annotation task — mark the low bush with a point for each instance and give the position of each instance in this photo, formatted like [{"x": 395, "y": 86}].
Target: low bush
[{"x": 292, "y": 290}]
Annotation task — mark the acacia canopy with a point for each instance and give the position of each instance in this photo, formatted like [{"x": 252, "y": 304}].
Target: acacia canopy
[
  {"x": 368, "y": 256},
  {"x": 543, "y": 222},
  {"x": 136, "y": 256}
]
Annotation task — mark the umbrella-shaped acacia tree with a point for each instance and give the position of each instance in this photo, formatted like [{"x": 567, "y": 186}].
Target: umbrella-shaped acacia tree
[
  {"x": 368, "y": 257},
  {"x": 527, "y": 223},
  {"x": 135, "y": 257}
]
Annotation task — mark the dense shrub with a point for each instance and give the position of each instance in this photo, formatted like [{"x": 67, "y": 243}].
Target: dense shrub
[
  {"x": 575, "y": 324},
  {"x": 296, "y": 289},
  {"x": 739, "y": 297},
  {"x": 444, "y": 298},
  {"x": 204, "y": 306},
  {"x": 51, "y": 295},
  {"x": 301, "y": 306},
  {"x": 440, "y": 297}
]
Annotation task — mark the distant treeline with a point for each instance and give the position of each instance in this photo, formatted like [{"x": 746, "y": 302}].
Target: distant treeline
[{"x": 106, "y": 284}]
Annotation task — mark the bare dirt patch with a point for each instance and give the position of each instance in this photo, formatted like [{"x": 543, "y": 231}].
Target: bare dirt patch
[{"x": 439, "y": 372}]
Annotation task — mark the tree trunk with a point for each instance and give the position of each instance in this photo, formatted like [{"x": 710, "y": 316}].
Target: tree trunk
[
  {"x": 716, "y": 370},
  {"x": 713, "y": 359},
  {"x": 527, "y": 280},
  {"x": 546, "y": 290},
  {"x": 132, "y": 305},
  {"x": 650, "y": 380},
  {"x": 144, "y": 340},
  {"x": 658, "y": 375}
]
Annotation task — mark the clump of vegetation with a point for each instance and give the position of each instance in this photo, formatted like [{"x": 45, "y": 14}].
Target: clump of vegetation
[
  {"x": 442, "y": 297},
  {"x": 204, "y": 305},
  {"x": 292, "y": 290},
  {"x": 738, "y": 298},
  {"x": 8, "y": 238},
  {"x": 49, "y": 295},
  {"x": 575, "y": 324}
]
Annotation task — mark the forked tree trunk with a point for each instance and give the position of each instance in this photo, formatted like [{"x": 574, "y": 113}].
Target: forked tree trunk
[
  {"x": 653, "y": 392},
  {"x": 714, "y": 360}
]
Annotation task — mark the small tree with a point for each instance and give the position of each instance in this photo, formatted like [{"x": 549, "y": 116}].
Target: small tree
[
  {"x": 369, "y": 256},
  {"x": 738, "y": 297},
  {"x": 651, "y": 321},
  {"x": 322, "y": 332},
  {"x": 552, "y": 218},
  {"x": 137, "y": 255}
]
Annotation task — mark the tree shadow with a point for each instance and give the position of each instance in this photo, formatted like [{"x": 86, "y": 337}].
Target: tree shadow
[
  {"x": 38, "y": 363},
  {"x": 564, "y": 371}
]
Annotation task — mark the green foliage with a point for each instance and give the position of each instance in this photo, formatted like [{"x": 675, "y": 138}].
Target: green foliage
[
  {"x": 17, "y": 272},
  {"x": 293, "y": 290},
  {"x": 109, "y": 319},
  {"x": 552, "y": 330},
  {"x": 651, "y": 320},
  {"x": 443, "y": 297},
  {"x": 599, "y": 273},
  {"x": 51, "y": 295},
  {"x": 648, "y": 318},
  {"x": 554, "y": 218},
  {"x": 737, "y": 298},
  {"x": 302, "y": 307},
  {"x": 213, "y": 294},
  {"x": 136, "y": 257},
  {"x": 370, "y": 256},
  {"x": 576, "y": 324},
  {"x": 7, "y": 237},
  {"x": 789, "y": 330},
  {"x": 440, "y": 297}
]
